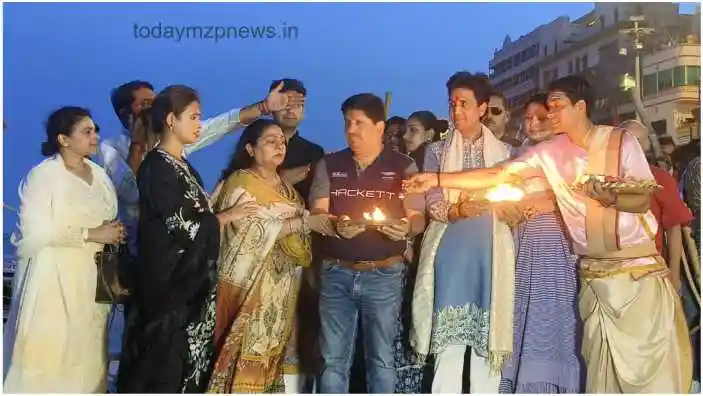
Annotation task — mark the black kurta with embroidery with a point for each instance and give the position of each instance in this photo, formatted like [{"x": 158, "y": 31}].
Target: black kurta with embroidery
[{"x": 167, "y": 345}]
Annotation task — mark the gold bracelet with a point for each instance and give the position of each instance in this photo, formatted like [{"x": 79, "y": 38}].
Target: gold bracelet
[
  {"x": 263, "y": 107},
  {"x": 304, "y": 225}
]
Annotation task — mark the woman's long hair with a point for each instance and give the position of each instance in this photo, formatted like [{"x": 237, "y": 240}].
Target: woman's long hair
[{"x": 240, "y": 158}]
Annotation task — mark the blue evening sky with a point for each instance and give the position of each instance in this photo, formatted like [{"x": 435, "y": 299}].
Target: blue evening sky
[{"x": 74, "y": 54}]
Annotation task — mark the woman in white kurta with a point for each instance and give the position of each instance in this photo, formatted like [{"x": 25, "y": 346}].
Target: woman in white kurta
[{"x": 56, "y": 337}]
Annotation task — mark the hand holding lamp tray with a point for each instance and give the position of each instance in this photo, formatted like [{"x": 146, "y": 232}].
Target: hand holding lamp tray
[
  {"x": 376, "y": 218},
  {"x": 497, "y": 194},
  {"x": 623, "y": 185}
]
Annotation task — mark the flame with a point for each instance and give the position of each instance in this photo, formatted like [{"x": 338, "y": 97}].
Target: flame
[
  {"x": 504, "y": 192},
  {"x": 376, "y": 215}
]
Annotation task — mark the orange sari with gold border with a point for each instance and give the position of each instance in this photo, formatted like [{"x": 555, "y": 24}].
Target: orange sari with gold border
[{"x": 259, "y": 280}]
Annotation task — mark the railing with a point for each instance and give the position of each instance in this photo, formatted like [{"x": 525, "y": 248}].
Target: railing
[{"x": 686, "y": 88}]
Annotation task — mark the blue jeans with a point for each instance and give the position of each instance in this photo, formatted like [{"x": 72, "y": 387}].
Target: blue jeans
[{"x": 344, "y": 295}]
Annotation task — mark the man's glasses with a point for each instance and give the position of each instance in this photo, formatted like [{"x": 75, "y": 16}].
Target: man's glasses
[{"x": 496, "y": 111}]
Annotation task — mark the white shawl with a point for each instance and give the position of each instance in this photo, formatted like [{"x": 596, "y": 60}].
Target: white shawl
[{"x": 500, "y": 339}]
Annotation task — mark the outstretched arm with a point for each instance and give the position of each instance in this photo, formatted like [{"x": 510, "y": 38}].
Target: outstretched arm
[
  {"x": 217, "y": 127},
  {"x": 475, "y": 179},
  {"x": 525, "y": 166}
]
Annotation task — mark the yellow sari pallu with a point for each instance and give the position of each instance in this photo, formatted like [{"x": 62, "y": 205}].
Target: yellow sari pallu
[
  {"x": 635, "y": 336},
  {"x": 259, "y": 279}
]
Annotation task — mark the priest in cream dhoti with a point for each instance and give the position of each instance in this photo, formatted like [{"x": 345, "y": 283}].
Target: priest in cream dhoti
[{"x": 635, "y": 336}]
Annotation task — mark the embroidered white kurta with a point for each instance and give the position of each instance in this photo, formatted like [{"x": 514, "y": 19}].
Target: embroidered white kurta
[{"x": 57, "y": 335}]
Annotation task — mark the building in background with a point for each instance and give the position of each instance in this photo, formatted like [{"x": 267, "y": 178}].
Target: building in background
[
  {"x": 514, "y": 69},
  {"x": 592, "y": 46},
  {"x": 671, "y": 89}
]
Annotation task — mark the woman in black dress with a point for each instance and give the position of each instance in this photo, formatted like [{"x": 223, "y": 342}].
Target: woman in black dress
[{"x": 168, "y": 334}]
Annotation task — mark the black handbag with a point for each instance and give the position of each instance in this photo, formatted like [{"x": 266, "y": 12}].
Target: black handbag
[{"x": 113, "y": 262}]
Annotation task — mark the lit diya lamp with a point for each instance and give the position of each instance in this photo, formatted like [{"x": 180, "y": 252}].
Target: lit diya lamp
[
  {"x": 504, "y": 193},
  {"x": 376, "y": 218},
  {"x": 499, "y": 193}
]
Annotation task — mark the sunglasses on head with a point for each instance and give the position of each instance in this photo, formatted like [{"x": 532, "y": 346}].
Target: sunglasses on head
[{"x": 496, "y": 111}]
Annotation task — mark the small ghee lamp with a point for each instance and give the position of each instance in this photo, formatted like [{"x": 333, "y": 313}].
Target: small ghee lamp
[
  {"x": 376, "y": 216},
  {"x": 504, "y": 193}
]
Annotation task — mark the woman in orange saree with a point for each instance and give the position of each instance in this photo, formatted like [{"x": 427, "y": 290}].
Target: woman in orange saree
[{"x": 260, "y": 266}]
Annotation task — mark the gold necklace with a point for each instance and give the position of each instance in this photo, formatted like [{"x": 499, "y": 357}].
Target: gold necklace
[
  {"x": 584, "y": 141},
  {"x": 272, "y": 183}
]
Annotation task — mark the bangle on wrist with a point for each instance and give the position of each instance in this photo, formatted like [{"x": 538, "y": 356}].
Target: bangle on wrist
[
  {"x": 304, "y": 222},
  {"x": 263, "y": 107}
]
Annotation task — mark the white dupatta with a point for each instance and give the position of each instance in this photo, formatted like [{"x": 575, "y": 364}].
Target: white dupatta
[{"x": 500, "y": 338}]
